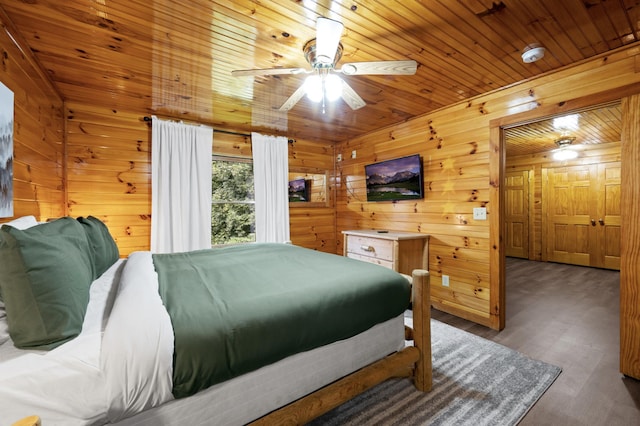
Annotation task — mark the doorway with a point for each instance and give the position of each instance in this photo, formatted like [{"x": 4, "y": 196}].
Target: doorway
[{"x": 561, "y": 188}]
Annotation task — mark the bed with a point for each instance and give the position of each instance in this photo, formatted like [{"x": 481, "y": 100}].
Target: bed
[{"x": 126, "y": 349}]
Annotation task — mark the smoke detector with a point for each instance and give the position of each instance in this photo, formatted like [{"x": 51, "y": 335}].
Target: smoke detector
[{"x": 532, "y": 53}]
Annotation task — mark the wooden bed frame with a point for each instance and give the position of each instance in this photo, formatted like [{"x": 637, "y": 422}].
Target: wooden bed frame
[{"x": 413, "y": 361}]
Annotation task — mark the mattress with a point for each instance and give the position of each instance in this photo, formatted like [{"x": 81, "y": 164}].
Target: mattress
[{"x": 252, "y": 395}]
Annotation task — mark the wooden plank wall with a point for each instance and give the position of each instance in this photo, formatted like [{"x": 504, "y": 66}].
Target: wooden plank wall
[
  {"x": 38, "y": 137},
  {"x": 461, "y": 156},
  {"x": 109, "y": 171},
  {"x": 591, "y": 154},
  {"x": 314, "y": 226},
  {"x": 456, "y": 175},
  {"x": 630, "y": 248},
  {"x": 109, "y": 176}
]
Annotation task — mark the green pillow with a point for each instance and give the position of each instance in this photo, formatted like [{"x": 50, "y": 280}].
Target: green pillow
[
  {"x": 104, "y": 251},
  {"x": 45, "y": 280}
]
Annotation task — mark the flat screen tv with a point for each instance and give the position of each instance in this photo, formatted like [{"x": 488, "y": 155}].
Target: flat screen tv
[
  {"x": 299, "y": 190},
  {"x": 394, "y": 180}
]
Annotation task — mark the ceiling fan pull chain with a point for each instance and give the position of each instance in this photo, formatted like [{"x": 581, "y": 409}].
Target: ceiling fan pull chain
[{"x": 324, "y": 92}]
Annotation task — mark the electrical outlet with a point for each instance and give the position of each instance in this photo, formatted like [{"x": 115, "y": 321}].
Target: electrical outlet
[
  {"x": 445, "y": 280},
  {"x": 339, "y": 158},
  {"x": 353, "y": 154},
  {"x": 479, "y": 213}
]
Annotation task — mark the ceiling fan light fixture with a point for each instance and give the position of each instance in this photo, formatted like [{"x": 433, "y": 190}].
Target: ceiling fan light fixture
[
  {"x": 313, "y": 88},
  {"x": 328, "y": 86},
  {"x": 311, "y": 55},
  {"x": 333, "y": 87},
  {"x": 323, "y": 53},
  {"x": 327, "y": 40}
]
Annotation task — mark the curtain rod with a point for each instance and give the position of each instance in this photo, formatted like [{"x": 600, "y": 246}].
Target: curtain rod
[{"x": 147, "y": 118}]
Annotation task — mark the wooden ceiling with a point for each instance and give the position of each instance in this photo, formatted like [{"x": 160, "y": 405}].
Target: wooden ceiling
[
  {"x": 601, "y": 124},
  {"x": 174, "y": 58}
]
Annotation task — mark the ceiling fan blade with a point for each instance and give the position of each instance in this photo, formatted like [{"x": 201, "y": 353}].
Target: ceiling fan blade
[
  {"x": 380, "y": 67},
  {"x": 293, "y": 99},
  {"x": 328, "y": 33},
  {"x": 269, "y": 71},
  {"x": 351, "y": 97}
]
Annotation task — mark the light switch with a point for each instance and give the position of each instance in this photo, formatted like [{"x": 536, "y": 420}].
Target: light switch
[{"x": 479, "y": 213}]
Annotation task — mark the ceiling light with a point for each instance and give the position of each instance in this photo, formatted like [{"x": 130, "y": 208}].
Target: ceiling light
[
  {"x": 565, "y": 154},
  {"x": 318, "y": 87},
  {"x": 565, "y": 141},
  {"x": 313, "y": 88},
  {"x": 327, "y": 42},
  {"x": 333, "y": 87},
  {"x": 532, "y": 53}
]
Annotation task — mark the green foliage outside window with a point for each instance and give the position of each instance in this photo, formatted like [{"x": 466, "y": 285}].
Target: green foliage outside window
[{"x": 232, "y": 208}]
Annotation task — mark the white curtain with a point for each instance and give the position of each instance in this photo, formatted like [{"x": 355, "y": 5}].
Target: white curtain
[
  {"x": 271, "y": 182},
  {"x": 180, "y": 186}
]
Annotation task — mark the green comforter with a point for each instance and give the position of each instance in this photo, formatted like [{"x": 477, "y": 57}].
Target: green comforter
[{"x": 239, "y": 308}]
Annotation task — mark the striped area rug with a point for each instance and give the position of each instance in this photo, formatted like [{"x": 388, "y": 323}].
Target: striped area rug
[{"x": 475, "y": 382}]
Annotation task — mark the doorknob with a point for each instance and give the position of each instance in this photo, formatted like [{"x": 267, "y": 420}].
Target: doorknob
[
  {"x": 601, "y": 220},
  {"x": 593, "y": 222}
]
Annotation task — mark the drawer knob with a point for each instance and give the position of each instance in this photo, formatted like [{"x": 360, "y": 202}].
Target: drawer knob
[{"x": 367, "y": 248}]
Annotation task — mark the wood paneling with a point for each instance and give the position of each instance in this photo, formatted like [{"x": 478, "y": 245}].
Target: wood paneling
[
  {"x": 109, "y": 171},
  {"x": 38, "y": 136},
  {"x": 175, "y": 58},
  {"x": 592, "y": 126},
  {"x": 109, "y": 176},
  {"x": 314, "y": 226},
  {"x": 457, "y": 146},
  {"x": 630, "y": 247},
  {"x": 117, "y": 61}
]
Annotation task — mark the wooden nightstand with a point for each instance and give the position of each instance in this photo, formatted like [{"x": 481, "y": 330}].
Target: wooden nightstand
[{"x": 401, "y": 251}]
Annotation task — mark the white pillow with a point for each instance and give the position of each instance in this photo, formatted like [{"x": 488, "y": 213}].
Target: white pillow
[{"x": 23, "y": 222}]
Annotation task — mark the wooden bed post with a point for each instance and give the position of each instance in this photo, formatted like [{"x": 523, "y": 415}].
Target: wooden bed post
[{"x": 422, "y": 328}]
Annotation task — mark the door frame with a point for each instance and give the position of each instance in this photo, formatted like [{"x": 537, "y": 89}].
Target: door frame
[{"x": 497, "y": 157}]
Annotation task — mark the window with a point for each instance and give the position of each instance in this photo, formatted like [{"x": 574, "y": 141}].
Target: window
[{"x": 233, "y": 201}]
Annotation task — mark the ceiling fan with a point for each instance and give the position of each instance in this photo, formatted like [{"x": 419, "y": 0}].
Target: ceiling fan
[{"x": 322, "y": 53}]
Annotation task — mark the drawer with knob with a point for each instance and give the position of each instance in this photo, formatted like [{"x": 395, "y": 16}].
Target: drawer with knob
[{"x": 400, "y": 251}]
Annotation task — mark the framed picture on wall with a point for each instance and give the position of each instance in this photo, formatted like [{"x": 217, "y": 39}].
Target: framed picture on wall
[{"x": 6, "y": 151}]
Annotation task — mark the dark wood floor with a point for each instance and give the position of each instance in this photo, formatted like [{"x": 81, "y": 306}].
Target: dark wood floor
[{"x": 568, "y": 316}]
